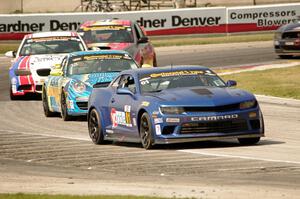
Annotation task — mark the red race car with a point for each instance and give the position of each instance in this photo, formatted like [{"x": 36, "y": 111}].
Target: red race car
[{"x": 118, "y": 34}]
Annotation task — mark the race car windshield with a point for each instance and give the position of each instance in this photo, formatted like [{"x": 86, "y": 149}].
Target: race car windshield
[
  {"x": 53, "y": 45},
  {"x": 161, "y": 81},
  {"x": 108, "y": 34},
  {"x": 84, "y": 66}
]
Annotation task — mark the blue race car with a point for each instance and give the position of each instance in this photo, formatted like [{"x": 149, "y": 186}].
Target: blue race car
[
  {"x": 172, "y": 105},
  {"x": 69, "y": 86}
]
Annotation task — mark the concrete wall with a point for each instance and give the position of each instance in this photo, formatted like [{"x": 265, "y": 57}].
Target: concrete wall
[{"x": 36, "y": 6}]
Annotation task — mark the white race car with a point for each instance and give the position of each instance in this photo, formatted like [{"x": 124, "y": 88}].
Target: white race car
[{"x": 36, "y": 56}]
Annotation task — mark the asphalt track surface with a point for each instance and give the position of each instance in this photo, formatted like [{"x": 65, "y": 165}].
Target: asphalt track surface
[{"x": 47, "y": 155}]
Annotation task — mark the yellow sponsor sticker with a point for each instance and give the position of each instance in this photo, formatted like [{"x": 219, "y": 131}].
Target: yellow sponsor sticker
[{"x": 145, "y": 103}]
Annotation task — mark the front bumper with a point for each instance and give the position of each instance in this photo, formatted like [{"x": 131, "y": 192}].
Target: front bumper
[
  {"x": 287, "y": 47},
  {"x": 244, "y": 124}
]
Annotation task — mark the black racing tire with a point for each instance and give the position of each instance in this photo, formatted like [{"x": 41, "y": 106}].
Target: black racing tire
[
  {"x": 46, "y": 109},
  {"x": 285, "y": 56},
  {"x": 146, "y": 131},
  {"x": 95, "y": 127},
  {"x": 11, "y": 96},
  {"x": 64, "y": 108},
  {"x": 248, "y": 141}
]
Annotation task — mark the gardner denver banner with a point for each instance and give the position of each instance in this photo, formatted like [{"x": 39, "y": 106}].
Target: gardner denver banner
[
  {"x": 259, "y": 18},
  {"x": 160, "y": 22}
]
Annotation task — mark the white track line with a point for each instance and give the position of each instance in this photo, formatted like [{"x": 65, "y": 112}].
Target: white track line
[
  {"x": 47, "y": 135},
  {"x": 238, "y": 156}
]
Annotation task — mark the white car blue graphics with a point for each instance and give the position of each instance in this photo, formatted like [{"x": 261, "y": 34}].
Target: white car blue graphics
[{"x": 68, "y": 87}]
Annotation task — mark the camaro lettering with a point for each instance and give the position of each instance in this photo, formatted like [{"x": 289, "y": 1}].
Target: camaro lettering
[{"x": 215, "y": 118}]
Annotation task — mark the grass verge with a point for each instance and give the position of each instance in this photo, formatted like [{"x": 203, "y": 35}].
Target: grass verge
[
  {"x": 215, "y": 39},
  {"x": 44, "y": 196},
  {"x": 281, "y": 82},
  {"x": 4, "y": 47},
  {"x": 159, "y": 41}
]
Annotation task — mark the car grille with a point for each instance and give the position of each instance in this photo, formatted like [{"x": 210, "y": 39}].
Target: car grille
[
  {"x": 214, "y": 127},
  {"x": 82, "y": 105},
  {"x": 230, "y": 107},
  {"x": 24, "y": 87},
  {"x": 43, "y": 72},
  {"x": 290, "y": 35}
]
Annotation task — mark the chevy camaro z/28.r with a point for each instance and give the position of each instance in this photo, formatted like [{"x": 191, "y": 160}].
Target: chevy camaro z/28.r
[
  {"x": 68, "y": 88},
  {"x": 173, "y": 105}
]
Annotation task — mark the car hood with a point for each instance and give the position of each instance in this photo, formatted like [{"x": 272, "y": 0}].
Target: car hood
[
  {"x": 201, "y": 96},
  {"x": 94, "y": 78},
  {"x": 111, "y": 46},
  {"x": 34, "y": 62}
]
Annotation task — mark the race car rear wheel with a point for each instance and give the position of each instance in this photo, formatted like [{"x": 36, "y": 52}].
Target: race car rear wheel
[
  {"x": 95, "y": 129},
  {"x": 64, "y": 108},
  {"x": 249, "y": 141},
  {"x": 146, "y": 131},
  {"x": 46, "y": 109}
]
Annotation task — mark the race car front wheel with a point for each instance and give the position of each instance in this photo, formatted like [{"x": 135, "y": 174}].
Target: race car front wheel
[
  {"x": 46, "y": 109},
  {"x": 146, "y": 131},
  {"x": 95, "y": 129},
  {"x": 64, "y": 108}
]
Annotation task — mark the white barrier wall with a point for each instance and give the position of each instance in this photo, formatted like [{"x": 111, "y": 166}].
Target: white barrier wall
[
  {"x": 161, "y": 22},
  {"x": 261, "y": 17}
]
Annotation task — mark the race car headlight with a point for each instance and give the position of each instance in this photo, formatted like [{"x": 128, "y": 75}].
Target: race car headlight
[
  {"x": 79, "y": 87},
  {"x": 172, "y": 110},
  {"x": 22, "y": 72},
  {"x": 248, "y": 104}
]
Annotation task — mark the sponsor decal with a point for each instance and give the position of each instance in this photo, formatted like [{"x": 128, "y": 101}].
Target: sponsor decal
[
  {"x": 173, "y": 120},
  {"x": 177, "y": 73},
  {"x": 158, "y": 129},
  {"x": 215, "y": 118},
  {"x": 158, "y": 120},
  {"x": 70, "y": 104},
  {"x": 103, "y": 27},
  {"x": 120, "y": 117},
  {"x": 145, "y": 103},
  {"x": 134, "y": 121}
]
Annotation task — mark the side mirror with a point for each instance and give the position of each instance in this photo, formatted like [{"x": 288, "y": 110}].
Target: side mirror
[
  {"x": 143, "y": 40},
  {"x": 10, "y": 54},
  {"x": 231, "y": 83},
  {"x": 56, "y": 72},
  {"x": 124, "y": 91}
]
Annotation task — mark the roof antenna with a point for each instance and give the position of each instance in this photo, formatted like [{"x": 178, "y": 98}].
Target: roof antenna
[{"x": 171, "y": 66}]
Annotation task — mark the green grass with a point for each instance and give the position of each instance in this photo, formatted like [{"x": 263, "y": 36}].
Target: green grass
[
  {"x": 214, "y": 39},
  {"x": 4, "y": 47},
  {"x": 283, "y": 82},
  {"x": 44, "y": 196}
]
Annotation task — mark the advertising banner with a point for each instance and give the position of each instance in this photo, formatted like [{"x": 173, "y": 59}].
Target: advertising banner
[
  {"x": 160, "y": 22},
  {"x": 261, "y": 18}
]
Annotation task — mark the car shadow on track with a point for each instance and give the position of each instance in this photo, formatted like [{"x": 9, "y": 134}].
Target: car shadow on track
[
  {"x": 200, "y": 145},
  {"x": 29, "y": 97}
]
